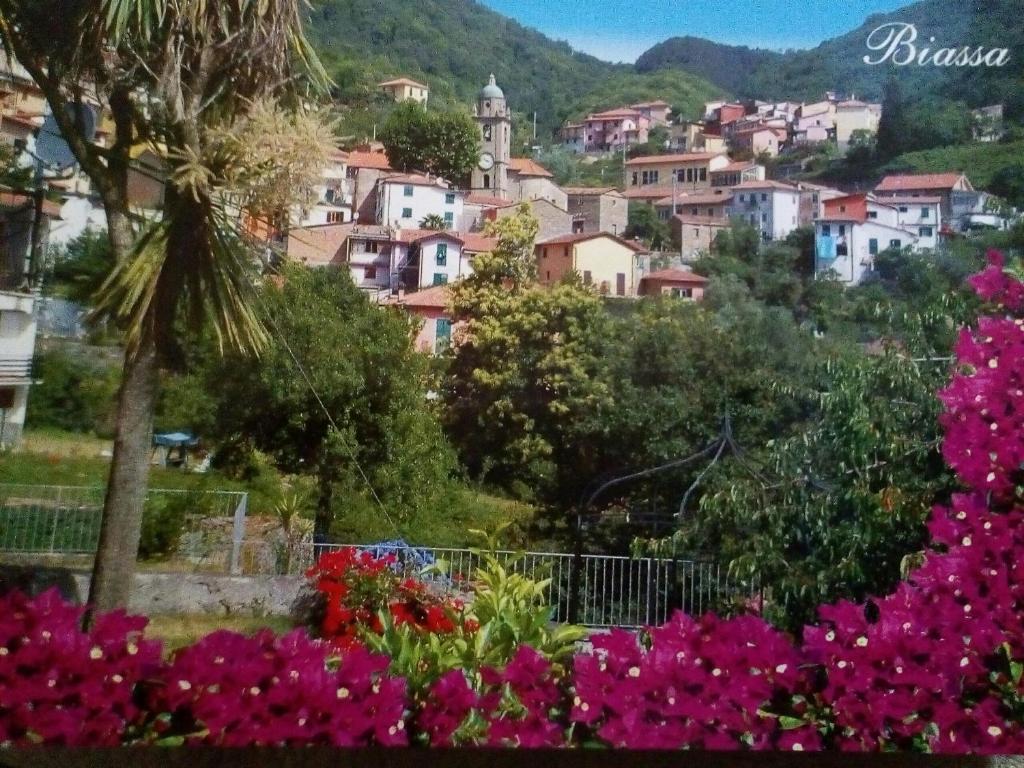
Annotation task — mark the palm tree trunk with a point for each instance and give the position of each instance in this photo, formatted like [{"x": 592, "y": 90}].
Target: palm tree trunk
[
  {"x": 114, "y": 568},
  {"x": 113, "y": 574}
]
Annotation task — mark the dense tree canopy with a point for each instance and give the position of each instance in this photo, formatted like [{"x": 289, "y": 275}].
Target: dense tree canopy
[{"x": 444, "y": 144}]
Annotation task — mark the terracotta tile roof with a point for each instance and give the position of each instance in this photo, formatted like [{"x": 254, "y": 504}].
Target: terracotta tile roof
[
  {"x": 897, "y": 200},
  {"x": 709, "y": 198},
  {"x": 488, "y": 201},
  {"x": 613, "y": 114},
  {"x": 710, "y": 221},
  {"x": 415, "y": 235},
  {"x": 653, "y": 192},
  {"x": 581, "y": 237},
  {"x": 318, "y": 246},
  {"x": 656, "y": 103},
  {"x": 13, "y": 201},
  {"x": 401, "y": 81},
  {"x": 739, "y": 165},
  {"x": 766, "y": 185},
  {"x": 416, "y": 179},
  {"x": 901, "y": 183},
  {"x": 676, "y": 276},
  {"x": 376, "y": 160},
  {"x": 524, "y": 166},
  {"x": 435, "y": 297},
  {"x": 590, "y": 191},
  {"x": 476, "y": 242},
  {"x": 689, "y": 157}
]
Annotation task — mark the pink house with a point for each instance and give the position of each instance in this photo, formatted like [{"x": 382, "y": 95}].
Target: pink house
[
  {"x": 614, "y": 129},
  {"x": 678, "y": 283},
  {"x": 758, "y": 140},
  {"x": 430, "y": 307}
]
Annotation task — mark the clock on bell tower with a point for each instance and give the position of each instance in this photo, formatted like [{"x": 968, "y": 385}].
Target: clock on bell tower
[{"x": 490, "y": 176}]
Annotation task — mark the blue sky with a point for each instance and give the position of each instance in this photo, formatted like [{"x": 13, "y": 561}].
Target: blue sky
[{"x": 620, "y": 30}]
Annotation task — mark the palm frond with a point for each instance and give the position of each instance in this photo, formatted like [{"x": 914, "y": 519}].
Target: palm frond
[{"x": 159, "y": 285}]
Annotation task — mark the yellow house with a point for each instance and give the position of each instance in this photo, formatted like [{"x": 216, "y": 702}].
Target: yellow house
[
  {"x": 687, "y": 172},
  {"x": 404, "y": 89},
  {"x": 609, "y": 263}
]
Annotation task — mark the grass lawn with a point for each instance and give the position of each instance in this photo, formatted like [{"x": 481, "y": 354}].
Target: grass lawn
[{"x": 179, "y": 631}]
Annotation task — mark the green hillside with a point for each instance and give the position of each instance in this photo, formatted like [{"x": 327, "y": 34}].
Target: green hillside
[
  {"x": 981, "y": 162},
  {"x": 455, "y": 44},
  {"x": 837, "y": 64}
]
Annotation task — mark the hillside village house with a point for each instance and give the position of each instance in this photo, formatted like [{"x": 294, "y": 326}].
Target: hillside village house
[
  {"x": 812, "y": 199},
  {"x": 713, "y": 204},
  {"x": 770, "y": 206},
  {"x": 430, "y": 307},
  {"x": 528, "y": 180},
  {"x": 941, "y": 185},
  {"x": 442, "y": 257},
  {"x": 760, "y": 140},
  {"x": 334, "y": 197},
  {"x": 405, "y": 199},
  {"x": 404, "y": 89},
  {"x": 694, "y": 235},
  {"x": 613, "y": 265},
  {"x": 736, "y": 173},
  {"x": 686, "y": 172},
  {"x": 677, "y": 283},
  {"x": 552, "y": 220},
  {"x": 852, "y": 116},
  {"x": 609, "y": 131},
  {"x": 854, "y": 229},
  {"x": 658, "y": 112},
  {"x": 324, "y": 245},
  {"x": 17, "y": 347},
  {"x": 364, "y": 169},
  {"x": 597, "y": 209}
]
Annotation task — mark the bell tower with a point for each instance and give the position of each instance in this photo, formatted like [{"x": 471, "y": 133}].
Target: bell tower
[{"x": 490, "y": 176}]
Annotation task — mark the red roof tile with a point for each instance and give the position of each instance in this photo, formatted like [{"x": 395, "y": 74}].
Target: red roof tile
[
  {"x": 689, "y": 157},
  {"x": 922, "y": 181},
  {"x": 524, "y": 166},
  {"x": 676, "y": 276},
  {"x": 435, "y": 297},
  {"x": 376, "y": 160},
  {"x": 475, "y": 242},
  {"x": 487, "y": 201},
  {"x": 582, "y": 237},
  {"x": 401, "y": 81}
]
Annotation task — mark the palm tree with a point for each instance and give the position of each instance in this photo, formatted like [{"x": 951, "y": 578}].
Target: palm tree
[
  {"x": 185, "y": 77},
  {"x": 434, "y": 221}
]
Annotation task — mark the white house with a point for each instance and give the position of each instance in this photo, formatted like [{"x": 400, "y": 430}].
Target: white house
[
  {"x": 854, "y": 229},
  {"x": 771, "y": 206},
  {"x": 17, "y": 346},
  {"x": 334, "y": 194},
  {"x": 920, "y": 215},
  {"x": 404, "y": 200}
]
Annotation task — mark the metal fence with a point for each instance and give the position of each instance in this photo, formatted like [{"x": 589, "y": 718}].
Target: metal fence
[
  {"x": 65, "y": 520},
  {"x": 613, "y": 590}
]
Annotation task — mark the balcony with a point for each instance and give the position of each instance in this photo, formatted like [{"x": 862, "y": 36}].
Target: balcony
[{"x": 15, "y": 370}]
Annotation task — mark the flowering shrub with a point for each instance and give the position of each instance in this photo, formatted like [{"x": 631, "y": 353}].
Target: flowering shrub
[
  {"x": 231, "y": 690},
  {"x": 62, "y": 686},
  {"x": 357, "y": 587},
  {"x": 938, "y": 665}
]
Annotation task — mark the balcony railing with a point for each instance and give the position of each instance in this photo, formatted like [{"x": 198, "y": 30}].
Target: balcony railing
[{"x": 15, "y": 368}]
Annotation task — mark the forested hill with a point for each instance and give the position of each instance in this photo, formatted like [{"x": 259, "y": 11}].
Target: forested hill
[
  {"x": 455, "y": 44},
  {"x": 837, "y": 64}
]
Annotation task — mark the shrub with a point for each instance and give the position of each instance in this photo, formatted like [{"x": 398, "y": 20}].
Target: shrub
[{"x": 62, "y": 686}]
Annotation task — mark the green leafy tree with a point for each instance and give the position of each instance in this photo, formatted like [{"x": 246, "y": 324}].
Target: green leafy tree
[
  {"x": 82, "y": 266},
  {"x": 444, "y": 144},
  {"x": 363, "y": 408},
  {"x": 894, "y": 126},
  {"x": 643, "y": 224},
  {"x": 524, "y": 368}
]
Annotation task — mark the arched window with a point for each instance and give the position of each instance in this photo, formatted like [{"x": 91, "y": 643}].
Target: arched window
[
  {"x": 487, "y": 132},
  {"x": 487, "y": 181}
]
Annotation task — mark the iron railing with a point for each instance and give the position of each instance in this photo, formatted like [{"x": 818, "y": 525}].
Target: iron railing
[
  {"x": 65, "y": 520},
  {"x": 615, "y": 590}
]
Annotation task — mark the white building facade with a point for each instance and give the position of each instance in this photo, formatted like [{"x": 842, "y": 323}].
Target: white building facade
[
  {"x": 405, "y": 200},
  {"x": 17, "y": 347},
  {"x": 770, "y": 206}
]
